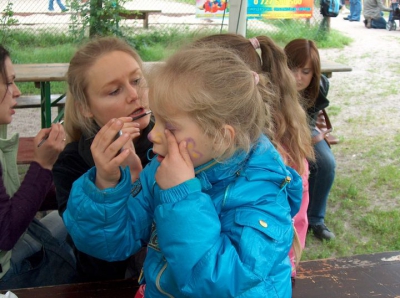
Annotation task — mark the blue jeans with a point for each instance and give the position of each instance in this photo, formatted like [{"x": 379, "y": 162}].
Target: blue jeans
[
  {"x": 355, "y": 10},
  {"x": 322, "y": 175},
  {"x": 51, "y": 5},
  {"x": 28, "y": 246},
  {"x": 378, "y": 23}
]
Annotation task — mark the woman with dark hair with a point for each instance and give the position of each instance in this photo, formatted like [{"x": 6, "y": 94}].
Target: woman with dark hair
[
  {"x": 19, "y": 202},
  {"x": 304, "y": 61}
]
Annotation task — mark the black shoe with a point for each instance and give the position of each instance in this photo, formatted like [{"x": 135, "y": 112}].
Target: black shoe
[
  {"x": 351, "y": 20},
  {"x": 346, "y": 18},
  {"x": 321, "y": 232}
]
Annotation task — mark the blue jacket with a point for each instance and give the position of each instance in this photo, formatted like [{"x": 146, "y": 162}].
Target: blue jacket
[{"x": 225, "y": 233}]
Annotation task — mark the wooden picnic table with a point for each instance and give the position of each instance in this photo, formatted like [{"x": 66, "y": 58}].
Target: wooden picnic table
[
  {"x": 42, "y": 75},
  {"x": 371, "y": 275}
]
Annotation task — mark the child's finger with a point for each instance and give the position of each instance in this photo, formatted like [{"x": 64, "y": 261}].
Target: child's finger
[
  {"x": 171, "y": 143},
  {"x": 185, "y": 153}
]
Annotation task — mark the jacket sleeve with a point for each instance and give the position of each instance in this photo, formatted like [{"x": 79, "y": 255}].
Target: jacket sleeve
[
  {"x": 218, "y": 258},
  {"x": 108, "y": 224},
  {"x": 381, "y": 6},
  {"x": 17, "y": 212}
]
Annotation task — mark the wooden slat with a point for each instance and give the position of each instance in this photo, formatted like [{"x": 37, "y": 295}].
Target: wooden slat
[
  {"x": 117, "y": 288},
  {"x": 372, "y": 275},
  {"x": 33, "y": 101}
]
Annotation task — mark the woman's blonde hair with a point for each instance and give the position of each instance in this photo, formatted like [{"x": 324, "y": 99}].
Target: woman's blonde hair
[
  {"x": 216, "y": 88},
  {"x": 77, "y": 100},
  {"x": 291, "y": 133}
]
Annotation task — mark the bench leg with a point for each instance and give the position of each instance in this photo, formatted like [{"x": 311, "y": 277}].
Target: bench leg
[{"x": 146, "y": 20}]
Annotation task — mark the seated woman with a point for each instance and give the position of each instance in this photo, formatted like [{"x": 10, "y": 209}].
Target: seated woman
[
  {"x": 105, "y": 81},
  {"x": 304, "y": 61},
  {"x": 19, "y": 202}
]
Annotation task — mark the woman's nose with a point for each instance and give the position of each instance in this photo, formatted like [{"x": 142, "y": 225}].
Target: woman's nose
[
  {"x": 297, "y": 76},
  {"x": 133, "y": 93},
  {"x": 17, "y": 92}
]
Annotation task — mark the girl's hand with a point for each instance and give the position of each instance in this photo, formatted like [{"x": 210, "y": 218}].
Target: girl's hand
[
  {"x": 108, "y": 156},
  {"x": 176, "y": 167},
  {"x": 133, "y": 162},
  {"x": 47, "y": 154}
]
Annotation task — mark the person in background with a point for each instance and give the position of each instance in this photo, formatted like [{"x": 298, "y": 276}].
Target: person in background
[
  {"x": 105, "y": 81},
  {"x": 290, "y": 131},
  {"x": 216, "y": 203},
  {"x": 304, "y": 61},
  {"x": 355, "y": 11},
  {"x": 343, "y": 8},
  {"x": 59, "y": 3},
  {"x": 19, "y": 202},
  {"x": 373, "y": 14}
]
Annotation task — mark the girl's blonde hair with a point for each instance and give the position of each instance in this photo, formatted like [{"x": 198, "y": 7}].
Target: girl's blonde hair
[
  {"x": 214, "y": 87},
  {"x": 291, "y": 133},
  {"x": 76, "y": 123}
]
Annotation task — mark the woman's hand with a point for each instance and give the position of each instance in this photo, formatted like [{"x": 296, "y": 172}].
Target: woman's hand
[
  {"x": 176, "y": 167},
  {"x": 111, "y": 151},
  {"x": 130, "y": 127},
  {"x": 47, "y": 154}
]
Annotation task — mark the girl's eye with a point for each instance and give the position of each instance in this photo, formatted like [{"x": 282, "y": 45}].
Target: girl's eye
[
  {"x": 306, "y": 72},
  {"x": 115, "y": 92}
]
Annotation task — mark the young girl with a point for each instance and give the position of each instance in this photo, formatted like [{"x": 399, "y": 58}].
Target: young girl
[
  {"x": 105, "y": 81},
  {"x": 290, "y": 131},
  {"x": 214, "y": 206},
  {"x": 304, "y": 61},
  {"x": 19, "y": 202}
]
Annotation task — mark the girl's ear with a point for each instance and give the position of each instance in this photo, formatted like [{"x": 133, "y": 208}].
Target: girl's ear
[{"x": 228, "y": 133}]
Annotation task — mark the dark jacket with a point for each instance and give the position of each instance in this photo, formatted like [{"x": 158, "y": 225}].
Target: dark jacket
[
  {"x": 320, "y": 103},
  {"x": 73, "y": 162}
]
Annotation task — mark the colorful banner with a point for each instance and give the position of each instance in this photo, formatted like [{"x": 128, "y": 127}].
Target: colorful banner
[
  {"x": 280, "y": 9},
  {"x": 258, "y": 9},
  {"x": 211, "y": 9}
]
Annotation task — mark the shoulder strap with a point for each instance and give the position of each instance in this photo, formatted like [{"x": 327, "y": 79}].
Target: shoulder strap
[{"x": 41, "y": 234}]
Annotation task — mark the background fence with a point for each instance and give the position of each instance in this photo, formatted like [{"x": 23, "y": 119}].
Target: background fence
[{"x": 34, "y": 16}]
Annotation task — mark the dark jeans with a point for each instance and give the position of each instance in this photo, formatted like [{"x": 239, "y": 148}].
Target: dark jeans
[{"x": 322, "y": 175}]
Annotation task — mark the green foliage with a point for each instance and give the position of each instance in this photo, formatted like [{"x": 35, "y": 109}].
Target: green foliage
[
  {"x": 158, "y": 45},
  {"x": 6, "y": 20},
  {"x": 96, "y": 17}
]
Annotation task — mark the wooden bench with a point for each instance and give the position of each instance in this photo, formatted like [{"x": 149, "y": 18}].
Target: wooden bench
[
  {"x": 116, "y": 288},
  {"x": 138, "y": 15},
  {"x": 34, "y": 101},
  {"x": 371, "y": 275}
]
